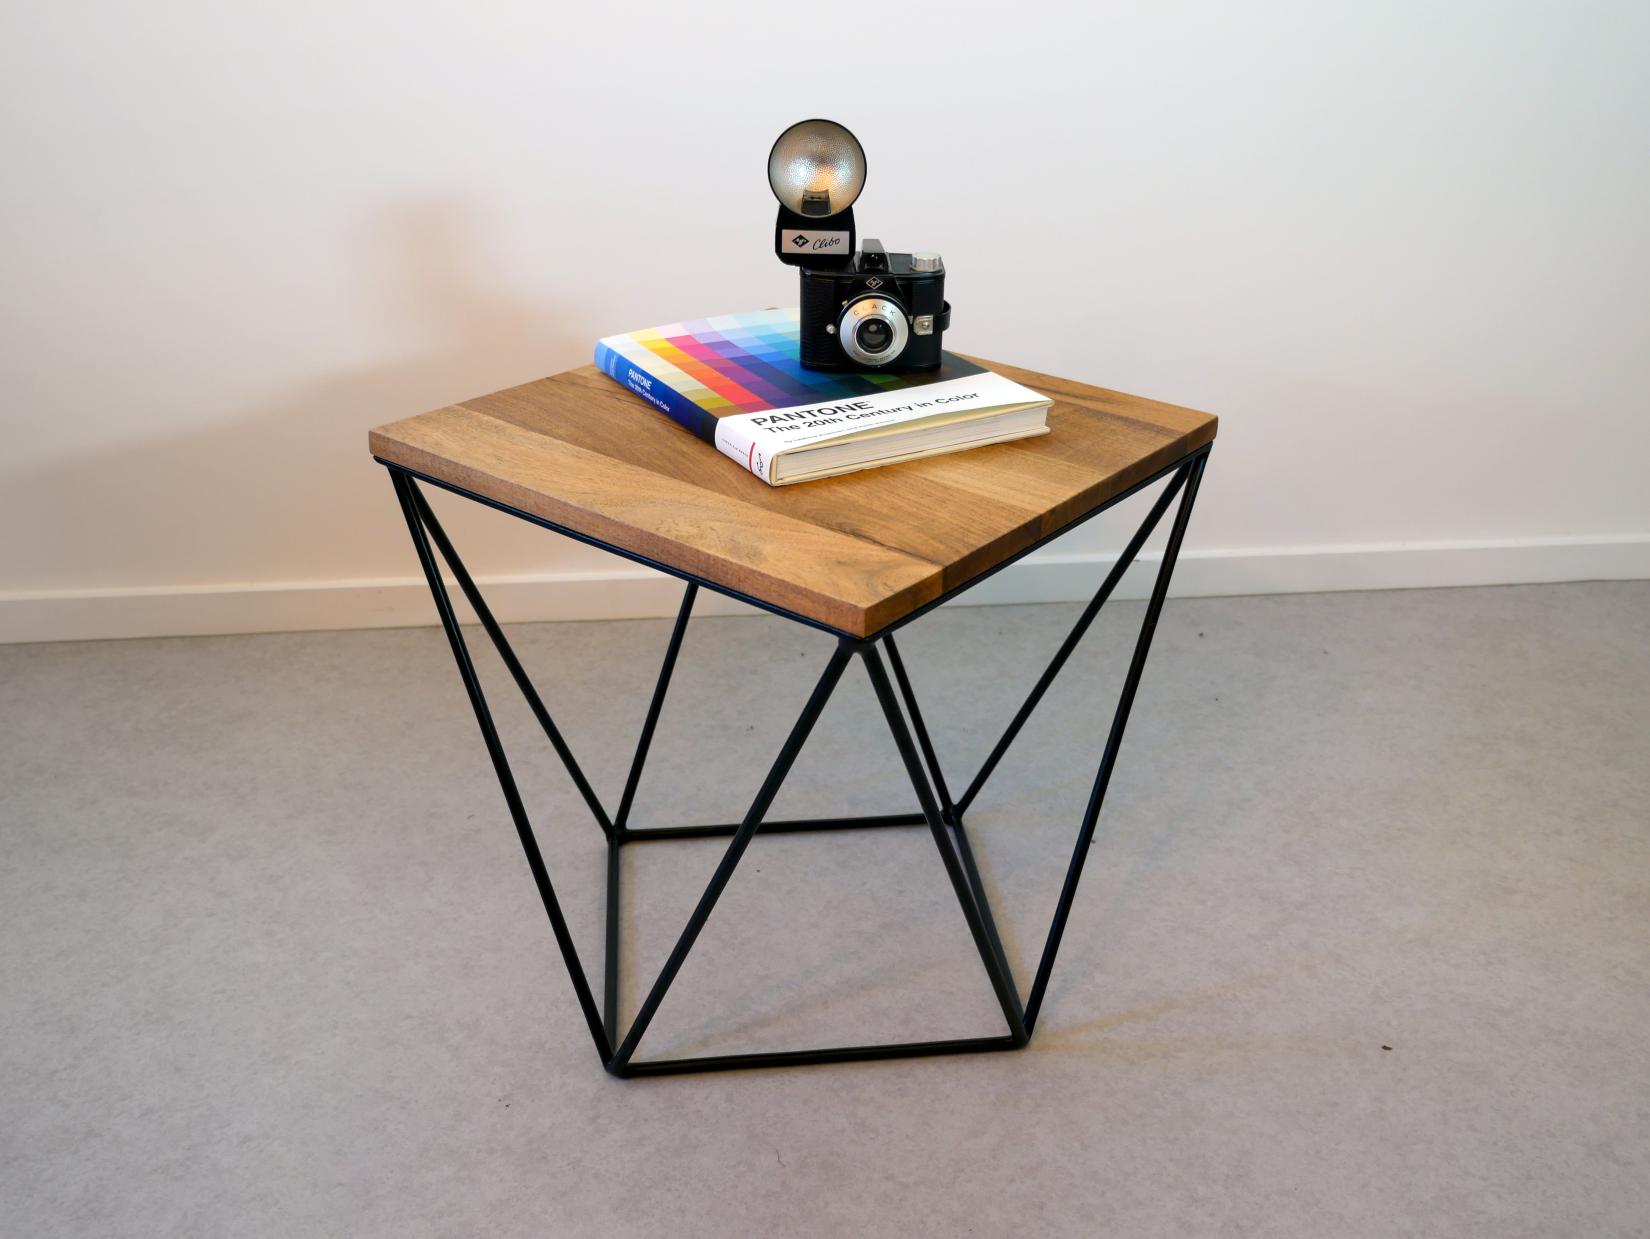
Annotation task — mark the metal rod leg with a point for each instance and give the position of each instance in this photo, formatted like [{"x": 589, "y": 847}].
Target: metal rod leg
[
  {"x": 995, "y": 969},
  {"x": 1114, "y": 740},
  {"x": 654, "y": 706},
  {"x": 949, "y": 813},
  {"x": 965, "y": 854},
  {"x": 784, "y": 826},
  {"x": 1076, "y": 635},
  {"x": 610, "y": 945},
  {"x": 828, "y": 680},
  {"x": 904, "y": 681},
  {"x": 835, "y": 1054},
  {"x": 406, "y": 493},
  {"x": 517, "y": 672}
]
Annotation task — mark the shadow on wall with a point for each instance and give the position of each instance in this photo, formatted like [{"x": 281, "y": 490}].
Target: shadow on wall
[{"x": 287, "y": 491}]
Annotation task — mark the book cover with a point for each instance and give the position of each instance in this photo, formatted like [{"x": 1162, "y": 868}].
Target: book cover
[{"x": 735, "y": 381}]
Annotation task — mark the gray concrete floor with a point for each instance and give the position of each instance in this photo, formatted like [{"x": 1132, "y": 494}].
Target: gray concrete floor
[{"x": 272, "y": 963}]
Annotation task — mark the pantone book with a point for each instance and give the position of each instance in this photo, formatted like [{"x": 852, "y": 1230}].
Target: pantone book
[{"x": 735, "y": 381}]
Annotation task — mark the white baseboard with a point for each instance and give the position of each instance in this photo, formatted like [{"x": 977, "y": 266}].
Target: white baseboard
[{"x": 632, "y": 593}]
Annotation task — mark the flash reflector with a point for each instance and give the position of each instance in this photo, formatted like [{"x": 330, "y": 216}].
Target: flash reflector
[{"x": 816, "y": 168}]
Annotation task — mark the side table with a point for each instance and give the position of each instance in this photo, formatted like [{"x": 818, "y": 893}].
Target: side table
[{"x": 858, "y": 556}]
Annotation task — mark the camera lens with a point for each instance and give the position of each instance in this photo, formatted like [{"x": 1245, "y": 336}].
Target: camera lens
[
  {"x": 874, "y": 335},
  {"x": 873, "y": 331}
]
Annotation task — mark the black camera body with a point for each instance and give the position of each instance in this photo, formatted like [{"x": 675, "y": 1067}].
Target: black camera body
[{"x": 878, "y": 311}]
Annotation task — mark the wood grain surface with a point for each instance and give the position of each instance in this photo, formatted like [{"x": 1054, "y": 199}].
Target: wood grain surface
[{"x": 855, "y": 553}]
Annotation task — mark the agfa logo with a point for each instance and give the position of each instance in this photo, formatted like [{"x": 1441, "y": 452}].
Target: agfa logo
[{"x": 799, "y": 240}]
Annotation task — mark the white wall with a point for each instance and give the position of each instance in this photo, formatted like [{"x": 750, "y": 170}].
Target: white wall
[{"x": 1402, "y": 249}]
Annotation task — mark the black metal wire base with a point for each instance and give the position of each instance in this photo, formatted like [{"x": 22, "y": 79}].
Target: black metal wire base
[
  {"x": 723, "y": 1062},
  {"x": 942, "y": 815}
]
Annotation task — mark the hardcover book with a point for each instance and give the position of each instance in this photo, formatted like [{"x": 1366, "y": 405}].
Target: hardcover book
[{"x": 735, "y": 381}]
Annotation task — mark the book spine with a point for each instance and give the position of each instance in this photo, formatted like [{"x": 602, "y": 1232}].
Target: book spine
[{"x": 660, "y": 395}]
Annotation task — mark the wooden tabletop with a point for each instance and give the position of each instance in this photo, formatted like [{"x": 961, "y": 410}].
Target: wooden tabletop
[{"x": 855, "y": 553}]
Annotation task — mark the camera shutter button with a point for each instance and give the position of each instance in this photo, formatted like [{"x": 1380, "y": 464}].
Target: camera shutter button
[{"x": 925, "y": 261}]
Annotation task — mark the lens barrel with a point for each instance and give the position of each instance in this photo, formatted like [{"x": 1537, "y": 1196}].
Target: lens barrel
[{"x": 873, "y": 330}]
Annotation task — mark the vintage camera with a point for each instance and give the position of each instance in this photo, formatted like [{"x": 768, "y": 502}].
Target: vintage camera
[
  {"x": 880, "y": 312},
  {"x": 863, "y": 309}
]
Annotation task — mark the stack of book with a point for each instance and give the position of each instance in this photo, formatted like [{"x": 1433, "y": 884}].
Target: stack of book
[{"x": 735, "y": 381}]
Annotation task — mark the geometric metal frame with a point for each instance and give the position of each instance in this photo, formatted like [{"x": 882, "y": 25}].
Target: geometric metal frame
[{"x": 941, "y": 814}]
